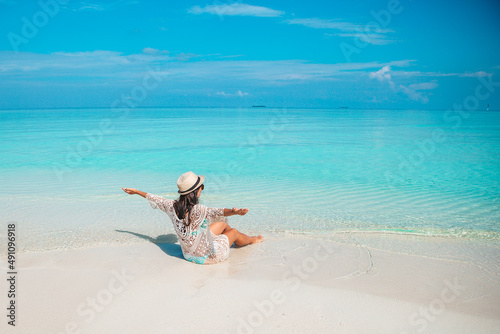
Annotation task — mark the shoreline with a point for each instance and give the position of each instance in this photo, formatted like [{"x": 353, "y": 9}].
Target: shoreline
[{"x": 348, "y": 285}]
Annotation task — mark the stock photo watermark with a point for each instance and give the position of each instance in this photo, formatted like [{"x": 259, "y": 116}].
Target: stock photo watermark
[
  {"x": 291, "y": 281},
  {"x": 31, "y": 26},
  {"x": 250, "y": 148},
  {"x": 93, "y": 305},
  {"x": 12, "y": 273},
  {"x": 430, "y": 312},
  {"x": 455, "y": 118},
  {"x": 381, "y": 20}
]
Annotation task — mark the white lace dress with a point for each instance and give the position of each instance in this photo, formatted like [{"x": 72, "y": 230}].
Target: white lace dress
[{"x": 198, "y": 243}]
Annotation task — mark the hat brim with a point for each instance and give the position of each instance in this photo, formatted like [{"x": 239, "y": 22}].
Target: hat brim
[{"x": 202, "y": 179}]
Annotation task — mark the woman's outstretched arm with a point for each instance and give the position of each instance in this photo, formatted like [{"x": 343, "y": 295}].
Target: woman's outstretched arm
[
  {"x": 132, "y": 191},
  {"x": 156, "y": 202},
  {"x": 235, "y": 211}
]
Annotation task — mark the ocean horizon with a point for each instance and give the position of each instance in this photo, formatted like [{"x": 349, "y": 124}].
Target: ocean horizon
[{"x": 310, "y": 171}]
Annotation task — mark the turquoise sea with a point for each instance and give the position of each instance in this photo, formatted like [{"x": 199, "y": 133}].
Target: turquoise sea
[{"x": 297, "y": 170}]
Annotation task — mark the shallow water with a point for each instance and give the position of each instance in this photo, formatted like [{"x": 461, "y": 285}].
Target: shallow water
[{"x": 298, "y": 170}]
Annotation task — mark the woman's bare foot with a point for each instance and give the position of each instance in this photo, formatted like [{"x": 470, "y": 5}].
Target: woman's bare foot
[{"x": 256, "y": 240}]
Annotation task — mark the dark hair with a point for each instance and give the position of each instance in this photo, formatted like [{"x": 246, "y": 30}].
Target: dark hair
[{"x": 184, "y": 205}]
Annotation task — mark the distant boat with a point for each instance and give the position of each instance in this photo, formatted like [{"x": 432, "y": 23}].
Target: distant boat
[
  {"x": 258, "y": 106},
  {"x": 344, "y": 107},
  {"x": 488, "y": 109}
]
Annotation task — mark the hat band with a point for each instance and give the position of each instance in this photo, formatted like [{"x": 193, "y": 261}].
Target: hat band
[{"x": 192, "y": 188}]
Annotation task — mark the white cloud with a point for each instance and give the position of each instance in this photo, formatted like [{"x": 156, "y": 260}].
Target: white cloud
[
  {"x": 186, "y": 56},
  {"x": 367, "y": 33},
  {"x": 230, "y": 56},
  {"x": 338, "y": 25},
  {"x": 236, "y": 9},
  {"x": 27, "y": 61},
  {"x": 99, "y": 6},
  {"x": 414, "y": 91},
  {"x": 375, "y": 39},
  {"x": 383, "y": 75},
  {"x": 476, "y": 74},
  {"x": 422, "y": 74},
  {"x": 424, "y": 86},
  {"x": 150, "y": 51},
  {"x": 116, "y": 64},
  {"x": 238, "y": 93},
  {"x": 439, "y": 74},
  {"x": 278, "y": 71},
  {"x": 90, "y": 6}
]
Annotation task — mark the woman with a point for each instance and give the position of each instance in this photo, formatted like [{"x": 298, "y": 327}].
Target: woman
[{"x": 201, "y": 240}]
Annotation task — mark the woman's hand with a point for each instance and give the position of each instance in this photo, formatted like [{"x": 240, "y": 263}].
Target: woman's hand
[
  {"x": 240, "y": 212},
  {"x": 235, "y": 211},
  {"x": 130, "y": 191}
]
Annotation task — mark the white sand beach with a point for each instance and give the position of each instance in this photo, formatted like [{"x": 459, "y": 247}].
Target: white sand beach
[{"x": 288, "y": 284}]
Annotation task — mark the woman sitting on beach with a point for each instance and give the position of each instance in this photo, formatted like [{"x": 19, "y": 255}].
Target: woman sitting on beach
[{"x": 200, "y": 241}]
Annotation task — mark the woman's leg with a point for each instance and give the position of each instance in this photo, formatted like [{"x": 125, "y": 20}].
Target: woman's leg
[
  {"x": 241, "y": 239},
  {"x": 219, "y": 228}
]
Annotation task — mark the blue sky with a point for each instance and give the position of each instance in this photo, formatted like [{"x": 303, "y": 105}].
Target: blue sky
[{"x": 325, "y": 54}]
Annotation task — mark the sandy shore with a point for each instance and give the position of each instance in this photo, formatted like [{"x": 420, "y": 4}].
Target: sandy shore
[{"x": 288, "y": 284}]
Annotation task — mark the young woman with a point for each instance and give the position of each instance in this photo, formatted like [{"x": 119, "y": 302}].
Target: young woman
[{"x": 203, "y": 238}]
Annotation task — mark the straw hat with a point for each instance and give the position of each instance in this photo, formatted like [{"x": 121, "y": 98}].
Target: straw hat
[{"x": 189, "y": 182}]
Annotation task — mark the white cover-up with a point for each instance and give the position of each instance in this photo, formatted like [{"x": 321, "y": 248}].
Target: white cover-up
[{"x": 198, "y": 243}]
